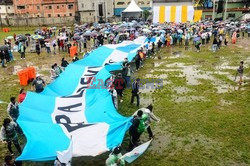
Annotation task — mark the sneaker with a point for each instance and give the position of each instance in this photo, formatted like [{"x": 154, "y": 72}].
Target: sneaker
[
  {"x": 12, "y": 154},
  {"x": 121, "y": 101}
]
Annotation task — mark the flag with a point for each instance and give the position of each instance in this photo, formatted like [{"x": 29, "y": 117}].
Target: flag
[
  {"x": 77, "y": 107},
  {"x": 136, "y": 152},
  {"x": 66, "y": 155}
]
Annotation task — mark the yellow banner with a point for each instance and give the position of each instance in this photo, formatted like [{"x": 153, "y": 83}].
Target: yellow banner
[
  {"x": 162, "y": 14},
  {"x": 184, "y": 14},
  {"x": 197, "y": 15},
  {"x": 172, "y": 13}
]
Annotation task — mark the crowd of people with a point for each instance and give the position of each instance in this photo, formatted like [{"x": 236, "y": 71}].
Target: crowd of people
[{"x": 88, "y": 37}]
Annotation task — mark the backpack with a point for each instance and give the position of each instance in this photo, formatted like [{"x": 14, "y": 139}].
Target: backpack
[{"x": 141, "y": 127}]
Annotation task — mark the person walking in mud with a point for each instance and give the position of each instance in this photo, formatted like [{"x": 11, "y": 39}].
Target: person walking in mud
[{"x": 240, "y": 71}]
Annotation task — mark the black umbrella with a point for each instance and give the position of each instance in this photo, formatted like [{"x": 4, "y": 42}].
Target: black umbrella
[
  {"x": 21, "y": 38},
  {"x": 27, "y": 34},
  {"x": 4, "y": 48}
]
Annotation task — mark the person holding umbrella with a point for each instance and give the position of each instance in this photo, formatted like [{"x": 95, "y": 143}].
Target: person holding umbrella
[
  {"x": 22, "y": 50},
  {"x": 38, "y": 49}
]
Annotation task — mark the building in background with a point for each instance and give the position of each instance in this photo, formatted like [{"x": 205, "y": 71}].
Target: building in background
[
  {"x": 235, "y": 9},
  {"x": 45, "y": 8},
  {"x": 95, "y": 10},
  {"x": 6, "y": 8},
  {"x": 120, "y": 5}
]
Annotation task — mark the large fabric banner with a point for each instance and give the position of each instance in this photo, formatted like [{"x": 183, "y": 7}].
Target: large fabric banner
[
  {"x": 78, "y": 107},
  {"x": 176, "y": 14}
]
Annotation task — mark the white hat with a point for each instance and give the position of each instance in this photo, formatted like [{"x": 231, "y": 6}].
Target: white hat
[{"x": 38, "y": 75}]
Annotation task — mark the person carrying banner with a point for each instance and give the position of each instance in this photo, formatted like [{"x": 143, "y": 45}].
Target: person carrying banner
[
  {"x": 114, "y": 158},
  {"x": 38, "y": 84},
  {"x": 149, "y": 117},
  {"x": 8, "y": 135},
  {"x": 9, "y": 161},
  {"x": 120, "y": 85},
  {"x": 136, "y": 130}
]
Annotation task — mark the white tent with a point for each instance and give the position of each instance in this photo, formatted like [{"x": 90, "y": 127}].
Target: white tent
[
  {"x": 132, "y": 7},
  {"x": 133, "y": 10}
]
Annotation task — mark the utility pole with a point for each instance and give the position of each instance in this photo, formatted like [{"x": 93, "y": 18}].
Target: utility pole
[
  {"x": 213, "y": 9},
  {"x": 225, "y": 12}
]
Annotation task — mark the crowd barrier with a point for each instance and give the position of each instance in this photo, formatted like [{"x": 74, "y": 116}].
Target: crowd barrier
[
  {"x": 27, "y": 75},
  {"x": 6, "y": 29}
]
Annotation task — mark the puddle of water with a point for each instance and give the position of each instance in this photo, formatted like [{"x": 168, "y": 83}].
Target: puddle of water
[
  {"x": 175, "y": 55},
  {"x": 144, "y": 102},
  {"x": 188, "y": 98},
  {"x": 158, "y": 64},
  {"x": 181, "y": 90},
  {"x": 161, "y": 76},
  {"x": 225, "y": 65},
  {"x": 3, "y": 102},
  {"x": 225, "y": 103}
]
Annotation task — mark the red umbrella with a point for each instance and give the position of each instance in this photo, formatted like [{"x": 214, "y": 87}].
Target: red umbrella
[{"x": 47, "y": 40}]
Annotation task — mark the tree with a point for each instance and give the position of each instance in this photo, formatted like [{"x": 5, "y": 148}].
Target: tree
[{"x": 146, "y": 14}]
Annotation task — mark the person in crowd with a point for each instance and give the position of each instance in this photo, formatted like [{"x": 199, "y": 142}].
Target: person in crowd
[
  {"x": 21, "y": 96},
  {"x": 54, "y": 48},
  {"x": 114, "y": 95},
  {"x": 64, "y": 63},
  {"x": 135, "y": 92},
  {"x": 226, "y": 40},
  {"x": 115, "y": 158},
  {"x": 58, "y": 163},
  {"x": 8, "y": 135},
  {"x": 75, "y": 58},
  {"x": 240, "y": 71},
  {"x": 2, "y": 56},
  {"x": 38, "y": 49},
  {"x": 58, "y": 70},
  {"x": 149, "y": 115},
  {"x": 53, "y": 74},
  {"x": 22, "y": 50},
  {"x": 120, "y": 85},
  {"x": 13, "y": 109},
  {"x": 135, "y": 130},
  {"x": 47, "y": 45},
  {"x": 215, "y": 44},
  {"x": 38, "y": 84},
  {"x": 137, "y": 60},
  {"x": 9, "y": 161}
]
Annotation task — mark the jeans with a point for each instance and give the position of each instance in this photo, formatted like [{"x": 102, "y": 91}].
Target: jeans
[
  {"x": 137, "y": 97},
  {"x": 127, "y": 78},
  {"x": 2, "y": 62},
  {"x": 48, "y": 50},
  {"x": 214, "y": 47}
]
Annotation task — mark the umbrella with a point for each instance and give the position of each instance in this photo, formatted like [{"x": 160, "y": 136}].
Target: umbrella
[
  {"x": 180, "y": 31},
  {"x": 162, "y": 31},
  {"x": 63, "y": 38},
  {"x": 21, "y": 37},
  {"x": 47, "y": 40},
  {"x": 27, "y": 34},
  {"x": 146, "y": 30},
  {"x": 9, "y": 37},
  {"x": 37, "y": 37},
  {"x": 53, "y": 42},
  {"x": 4, "y": 48},
  {"x": 196, "y": 39},
  {"x": 54, "y": 28},
  {"x": 87, "y": 33}
]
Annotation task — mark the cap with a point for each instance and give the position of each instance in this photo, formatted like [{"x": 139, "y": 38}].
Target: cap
[{"x": 38, "y": 75}]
